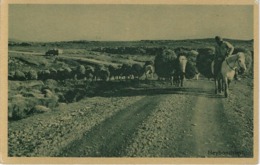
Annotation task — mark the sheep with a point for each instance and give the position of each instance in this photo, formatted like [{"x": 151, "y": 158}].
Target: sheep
[
  {"x": 191, "y": 56},
  {"x": 149, "y": 71},
  {"x": 137, "y": 71},
  {"x": 65, "y": 73},
  {"x": 204, "y": 60},
  {"x": 101, "y": 72},
  {"x": 164, "y": 64},
  {"x": 126, "y": 71},
  {"x": 89, "y": 72},
  {"x": 80, "y": 72},
  {"x": 115, "y": 71}
]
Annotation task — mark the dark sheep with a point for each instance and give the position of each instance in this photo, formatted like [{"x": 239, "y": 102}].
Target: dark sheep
[
  {"x": 115, "y": 71},
  {"x": 204, "y": 60},
  {"x": 165, "y": 64},
  {"x": 126, "y": 71},
  {"x": 101, "y": 72},
  {"x": 137, "y": 71}
]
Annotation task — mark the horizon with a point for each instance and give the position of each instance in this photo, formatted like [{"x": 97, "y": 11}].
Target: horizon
[
  {"x": 50, "y": 23},
  {"x": 85, "y": 40}
]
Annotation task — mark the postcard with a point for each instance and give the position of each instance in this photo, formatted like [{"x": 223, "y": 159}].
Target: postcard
[{"x": 129, "y": 82}]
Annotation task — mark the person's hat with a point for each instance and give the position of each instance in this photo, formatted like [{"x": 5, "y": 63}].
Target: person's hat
[{"x": 218, "y": 38}]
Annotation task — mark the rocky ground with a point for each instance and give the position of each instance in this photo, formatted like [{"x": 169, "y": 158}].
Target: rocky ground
[{"x": 147, "y": 122}]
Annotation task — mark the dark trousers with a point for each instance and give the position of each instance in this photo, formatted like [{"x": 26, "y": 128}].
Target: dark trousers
[{"x": 217, "y": 65}]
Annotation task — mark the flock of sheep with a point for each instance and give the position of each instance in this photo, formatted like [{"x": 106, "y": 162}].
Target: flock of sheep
[
  {"x": 87, "y": 72},
  {"x": 165, "y": 65}
]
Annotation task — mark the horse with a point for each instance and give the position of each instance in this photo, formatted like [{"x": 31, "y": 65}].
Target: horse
[
  {"x": 227, "y": 71},
  {"x": 179, "y": 73}
]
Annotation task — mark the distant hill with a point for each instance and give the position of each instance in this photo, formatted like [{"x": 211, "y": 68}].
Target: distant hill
[
  {"x": 14, "y": 40},
  {"x": 148, "y": 41},
  {"x": 92, "y": 45}
]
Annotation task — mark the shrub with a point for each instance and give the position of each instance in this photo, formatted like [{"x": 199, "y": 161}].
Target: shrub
[
  {"x": 19, "y": 75},
  {"x": 40, "y": 109},
  {"x": 32, "y": 75},
  {"x": 50, "y": 83},
  {"x": 11, "y": 75},
  {"x": 19, "y": 107},
  {"x": 53, "y": 74},
  {"x": 44, "y": 74}
]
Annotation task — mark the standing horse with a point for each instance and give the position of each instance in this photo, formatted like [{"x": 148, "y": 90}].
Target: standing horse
[
  {"x": 179, "y": 73},
  {"x": 227, "y": 73}
]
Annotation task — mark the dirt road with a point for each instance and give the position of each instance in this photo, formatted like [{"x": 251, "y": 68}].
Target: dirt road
[{"x": 158, "y": 122}]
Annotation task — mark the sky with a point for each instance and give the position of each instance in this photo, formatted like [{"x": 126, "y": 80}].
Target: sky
[{"x": 34, "y": 22}]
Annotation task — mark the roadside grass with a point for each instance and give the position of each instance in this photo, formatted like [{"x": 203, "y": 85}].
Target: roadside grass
[{"x": 23, "y": 96}]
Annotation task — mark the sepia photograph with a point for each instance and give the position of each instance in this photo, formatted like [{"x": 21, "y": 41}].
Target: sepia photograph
[{"x": 131, "y": 81}]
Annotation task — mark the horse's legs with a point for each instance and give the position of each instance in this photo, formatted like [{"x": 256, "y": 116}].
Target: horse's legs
[
  {"x": 226, "y": 87},
  {"x": 182, "y": 79},
  {"x": 223, "y": 85},
  {"x": 229, "y": 81},
  {"x": 216, "y": 86},
  {"x": 219, "y": 85},
  {"x": 179, "y": 81}
]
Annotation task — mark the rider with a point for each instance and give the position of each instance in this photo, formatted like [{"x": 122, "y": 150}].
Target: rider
[{"x": 223, "y": 50}]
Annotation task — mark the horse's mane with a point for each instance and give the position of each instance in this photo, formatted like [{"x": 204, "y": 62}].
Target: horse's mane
[{"x": 234, "y": 56}]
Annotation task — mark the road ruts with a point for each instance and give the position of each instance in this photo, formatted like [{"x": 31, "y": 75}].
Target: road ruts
[
  {"x": 172, "y": 122},
  {"x": 110, "y": 138}
]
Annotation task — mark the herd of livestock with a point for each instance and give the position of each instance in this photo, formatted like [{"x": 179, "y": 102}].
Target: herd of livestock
[
  {"x": 170, "y": 64},
  {"x": 87, "y": 72}
]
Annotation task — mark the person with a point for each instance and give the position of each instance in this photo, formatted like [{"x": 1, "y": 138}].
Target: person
[{"x": 223, "y": 49}]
